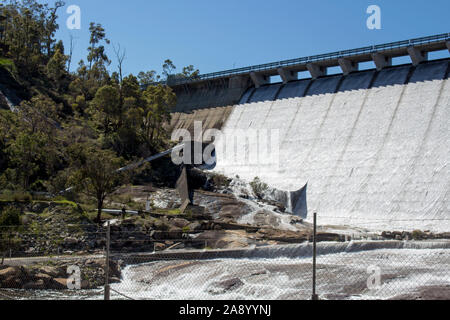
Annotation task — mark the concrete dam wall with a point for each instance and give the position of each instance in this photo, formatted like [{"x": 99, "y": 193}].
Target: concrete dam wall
[{"x": 372, "y": 146}]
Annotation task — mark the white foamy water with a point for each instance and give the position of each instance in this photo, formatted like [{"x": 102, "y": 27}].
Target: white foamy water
[
  {"x": 8, "y": 102},
  {"x": 278, "y": 220},
  {"x": 340, "y": 276},
  {"x": 282, "y": 272},
  {"x": 376, "y": 158}
]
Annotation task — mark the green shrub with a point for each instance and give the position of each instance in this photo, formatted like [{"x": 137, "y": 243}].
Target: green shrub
[
  {"x": 220, "y": 181},
  {"x": 22, "y": 197},
  {"x": 258, "y": 187},
  {"x": 10, "y": 217},
  {"x": 8, "y": 65}
]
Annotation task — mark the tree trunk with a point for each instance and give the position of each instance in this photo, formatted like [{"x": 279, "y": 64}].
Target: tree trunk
[{"x": 99, "y": 211}]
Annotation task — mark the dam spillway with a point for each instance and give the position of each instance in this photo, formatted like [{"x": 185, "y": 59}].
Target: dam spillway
[{"x": 372, "y": 146}]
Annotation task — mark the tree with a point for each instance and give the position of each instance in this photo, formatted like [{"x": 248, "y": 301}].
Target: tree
[
  {"x": 29, "y": 29},
  {"x": 9, "y": 221},
  {"x": 97, "y": 53},
  {"x": 131, "y": 89},
  {"x": 38, "y": 115},
  {"x": 159, "y": 103},
  {"x": 148, "y": 78},
  {"x": 8, "y": 124},
  {"x": 87, "y": 82},
  {"x": 10, "y": 217},
  {"x": 50, "y": 26},
  {"x": 25, "y": 153},
  {"x": 168, "y": 69},
  {"x": 71, "y": 47},
  {"x": 190, "y": 72},
  {"x": 107, "y": 104},
  {"x": 56, "y": 68},
  {"x": 120, "y": 56},
  {"x": 97, "y": 174}
]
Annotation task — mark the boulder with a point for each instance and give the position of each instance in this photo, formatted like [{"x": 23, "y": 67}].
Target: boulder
[
  {"x": 175, "y": 233},
  {"x": 10, "y": 272},
  {"x": 224, "y": 286},
  {"x": 266, "y": 218},
  {"x": 195, "y": 226},
  {"x": 70, "y": 241},
  {"x": 230, "y": 284},
  {"x": 35, "y": 285},
  {"x": 111, "y": 280},
  {"x": 39, "y": 207},
  {"x": 296, "y": 220},
  {"x": 160, "y": 246},
  {"x": 59, "y": 284},
  {"x": 180, "y": 223},
  {"x": 13, "y": 282},
  {"x": 161, "y": 225},
  {"x": 45, "y": 277},
  {"x": 53, "y": 272}
]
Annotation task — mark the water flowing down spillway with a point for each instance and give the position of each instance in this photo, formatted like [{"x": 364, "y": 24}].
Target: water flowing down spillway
[
  {"x": 373, "y": 147},
  {"x": 282, "y": 274}
]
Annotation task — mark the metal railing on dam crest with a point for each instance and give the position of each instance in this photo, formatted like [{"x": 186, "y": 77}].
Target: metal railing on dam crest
[{"x": 369, "y": 50}]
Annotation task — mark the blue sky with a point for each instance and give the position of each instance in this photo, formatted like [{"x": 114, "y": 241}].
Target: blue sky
[{"x": 219, "y": 35}]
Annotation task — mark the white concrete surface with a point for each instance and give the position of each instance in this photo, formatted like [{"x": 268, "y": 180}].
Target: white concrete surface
[{"x": 373, "y": 157}]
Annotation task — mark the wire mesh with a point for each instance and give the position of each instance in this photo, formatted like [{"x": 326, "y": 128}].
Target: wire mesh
[{"x": 145, "y": 265}]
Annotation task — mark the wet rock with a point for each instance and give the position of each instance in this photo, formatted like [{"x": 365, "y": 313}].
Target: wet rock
[
  {"x": 259, "y": 273},
  {"x": 296, "y": 221},
  {"x": 279, "y": 207},
  {"x": 266, "y": 218},
  {"x": 282, "y": 236},
  {"x": 114, "y": 280},
  {"x": 226, "y": 286},
  {"x": 387, "y": 235},
  {"x": 230, "y": 284}
]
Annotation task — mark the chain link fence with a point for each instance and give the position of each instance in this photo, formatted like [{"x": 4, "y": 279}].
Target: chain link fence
[{"x": 143, "y": 266}]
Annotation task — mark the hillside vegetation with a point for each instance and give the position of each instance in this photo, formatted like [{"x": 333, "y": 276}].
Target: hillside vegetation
[{"x": 61, "y": 129}]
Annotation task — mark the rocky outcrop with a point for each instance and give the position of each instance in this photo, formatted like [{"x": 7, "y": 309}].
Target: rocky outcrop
[
  {"x": 11, "y": 92},
  {"x": 225, "y": 286},
  {"x": 415, "y": 235},
  {"x": 56, "y": 277}
]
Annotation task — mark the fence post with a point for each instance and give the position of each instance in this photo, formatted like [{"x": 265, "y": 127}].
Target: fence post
[
  {"x": 107, "y": 288},
  {"x": 314, "y": 295}
]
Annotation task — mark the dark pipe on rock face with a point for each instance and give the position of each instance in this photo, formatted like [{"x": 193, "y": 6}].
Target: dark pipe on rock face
[{"x": 193, "y": 155}]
